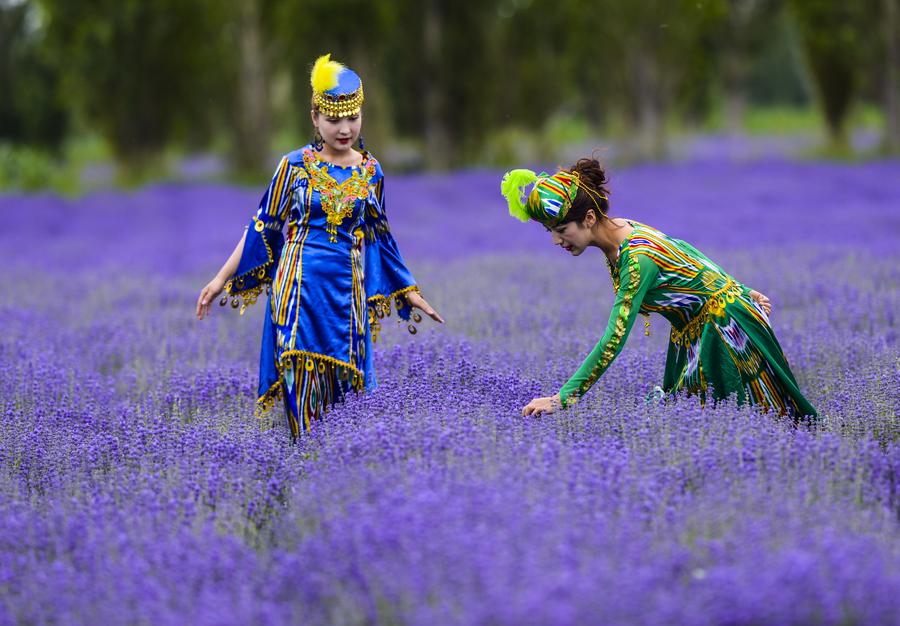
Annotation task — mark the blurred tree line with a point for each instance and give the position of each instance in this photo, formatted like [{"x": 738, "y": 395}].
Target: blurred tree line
[{"x": 446, "y": 76}]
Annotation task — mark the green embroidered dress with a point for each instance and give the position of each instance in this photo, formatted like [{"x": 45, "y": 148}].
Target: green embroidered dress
[{"x": 721, "y": 342}]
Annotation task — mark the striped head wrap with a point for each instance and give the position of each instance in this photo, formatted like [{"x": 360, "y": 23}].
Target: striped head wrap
[{"x": 550, "y": 197}]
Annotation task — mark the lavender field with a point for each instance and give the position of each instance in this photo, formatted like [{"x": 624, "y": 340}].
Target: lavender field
[{"x": 137, "y": 487}]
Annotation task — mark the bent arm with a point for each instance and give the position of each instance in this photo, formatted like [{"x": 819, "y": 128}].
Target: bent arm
[
  {"x": 231, "y": 265},
  {"x": 387, "y": 279},
  {"x": 262, "y": 241},
  {"x": 760, "y": 298}
]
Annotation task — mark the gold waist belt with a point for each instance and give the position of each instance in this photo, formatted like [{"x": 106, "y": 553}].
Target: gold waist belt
[{"x": 714, "y": 305}]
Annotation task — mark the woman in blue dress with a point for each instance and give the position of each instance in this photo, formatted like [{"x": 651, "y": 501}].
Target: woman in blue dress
[{"x": 334, "y": 274}]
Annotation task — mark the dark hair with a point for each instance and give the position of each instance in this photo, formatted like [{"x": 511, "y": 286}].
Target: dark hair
[{"x": 591, "y": 175}]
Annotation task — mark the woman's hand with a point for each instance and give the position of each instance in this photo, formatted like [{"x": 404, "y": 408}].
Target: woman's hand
[
  {"x": 415, "y": 300},
  {"x": 207, "y": 295},
  {"x": 543, "y": 406},
  {"x": 762, "y": 301}
]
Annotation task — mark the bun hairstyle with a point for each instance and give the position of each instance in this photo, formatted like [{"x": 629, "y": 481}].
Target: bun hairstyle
[{"x": 592, "y": 192}]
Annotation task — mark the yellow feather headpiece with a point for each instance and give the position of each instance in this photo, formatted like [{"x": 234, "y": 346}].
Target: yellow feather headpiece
[
  {"x": 324, "y": 75},
  {"x": 337, "y": 90}
]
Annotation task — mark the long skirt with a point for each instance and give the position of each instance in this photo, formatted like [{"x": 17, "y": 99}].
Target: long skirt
[{"x": 730, "y": 349}]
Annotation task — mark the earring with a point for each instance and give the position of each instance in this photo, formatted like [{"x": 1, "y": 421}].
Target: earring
[
  {"x": 362, "y": 144},
  {"x": 318, "y": 143}
]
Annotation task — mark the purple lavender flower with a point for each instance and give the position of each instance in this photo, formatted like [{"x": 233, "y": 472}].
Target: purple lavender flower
[{"x": 138, "y": 487}]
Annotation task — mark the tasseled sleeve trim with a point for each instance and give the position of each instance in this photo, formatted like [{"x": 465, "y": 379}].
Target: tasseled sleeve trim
[
  {"x": 262, "y": 249},
  {"x": 380, "y": 307}
]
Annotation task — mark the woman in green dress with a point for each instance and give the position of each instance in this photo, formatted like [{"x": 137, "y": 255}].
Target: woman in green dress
[{"x": 721, "y": 343}]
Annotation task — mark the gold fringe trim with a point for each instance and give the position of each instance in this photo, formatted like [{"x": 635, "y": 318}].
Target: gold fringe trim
[
  {"x": 397, "y": 293},
  {"x": 714, "y": 305},
  {"x": 247, "y": 297},
  {"x": 358, "y": 381},
  {"x": 379, "y": 307},
  {"x": 340, "y": 106},
  {"x": 266, "y": 402}
]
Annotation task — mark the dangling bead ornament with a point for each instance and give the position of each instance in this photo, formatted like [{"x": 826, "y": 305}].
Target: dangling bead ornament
[
  {"x": 647, "y": 325},
  {"x": 318, "y": 143},
  {"x": 362, "y": 144},
  {"x": 336, "y": 92}
]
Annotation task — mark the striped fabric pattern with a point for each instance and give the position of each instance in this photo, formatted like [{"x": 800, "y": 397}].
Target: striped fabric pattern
[
  {"x": 721, "y": 344},
  {"x": 337, "y": 261}
]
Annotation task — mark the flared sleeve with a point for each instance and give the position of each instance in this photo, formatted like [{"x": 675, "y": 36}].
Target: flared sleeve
[
  {"x": 637, "y": 274},
  {"x": 387, "y": 278},
  {"x": 263, "y": 243}
]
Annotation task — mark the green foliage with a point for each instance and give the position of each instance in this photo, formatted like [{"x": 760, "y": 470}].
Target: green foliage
[
  {"x": 795, "y": 120},
  {"x": 776, "y": 77},
  {"x": 835, "y": 37},
  {"x": 466, "y": 81},
  {"x": 140, "y": 71},
  {"x": 28, "y": 169},
  {"x": 365, "y": 36},
  {"x": 32, "y": 108}
]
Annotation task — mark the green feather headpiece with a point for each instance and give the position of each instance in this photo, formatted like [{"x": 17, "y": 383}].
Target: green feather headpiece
[
  {"x": 511, "y": 187},
  {"x": 549, "y": 200}
]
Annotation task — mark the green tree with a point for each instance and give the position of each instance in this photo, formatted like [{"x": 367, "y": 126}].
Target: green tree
[
  {"x": 356, "y": 32},
  {"x": 640, "y": 58},
  {"x": 141, "y": 72},
  {"x": 746, "y": 27},
  {"x": 32, "y": 109},
  {"x": 833, "y": 36},
  {"x": 892, "y": 75}
]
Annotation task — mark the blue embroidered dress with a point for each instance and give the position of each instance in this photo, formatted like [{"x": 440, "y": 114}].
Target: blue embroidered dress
[{"x": 329, "y": 281}]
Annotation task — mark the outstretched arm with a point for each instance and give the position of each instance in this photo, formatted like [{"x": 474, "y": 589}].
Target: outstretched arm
[
  {"x": 636, "y": 277},
  {"x": 416, "y": 301},
  {"x": 387, "y": 279}
]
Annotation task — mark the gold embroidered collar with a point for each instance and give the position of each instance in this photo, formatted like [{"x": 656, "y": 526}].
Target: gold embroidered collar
[{"x": 338, "y": 199}]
